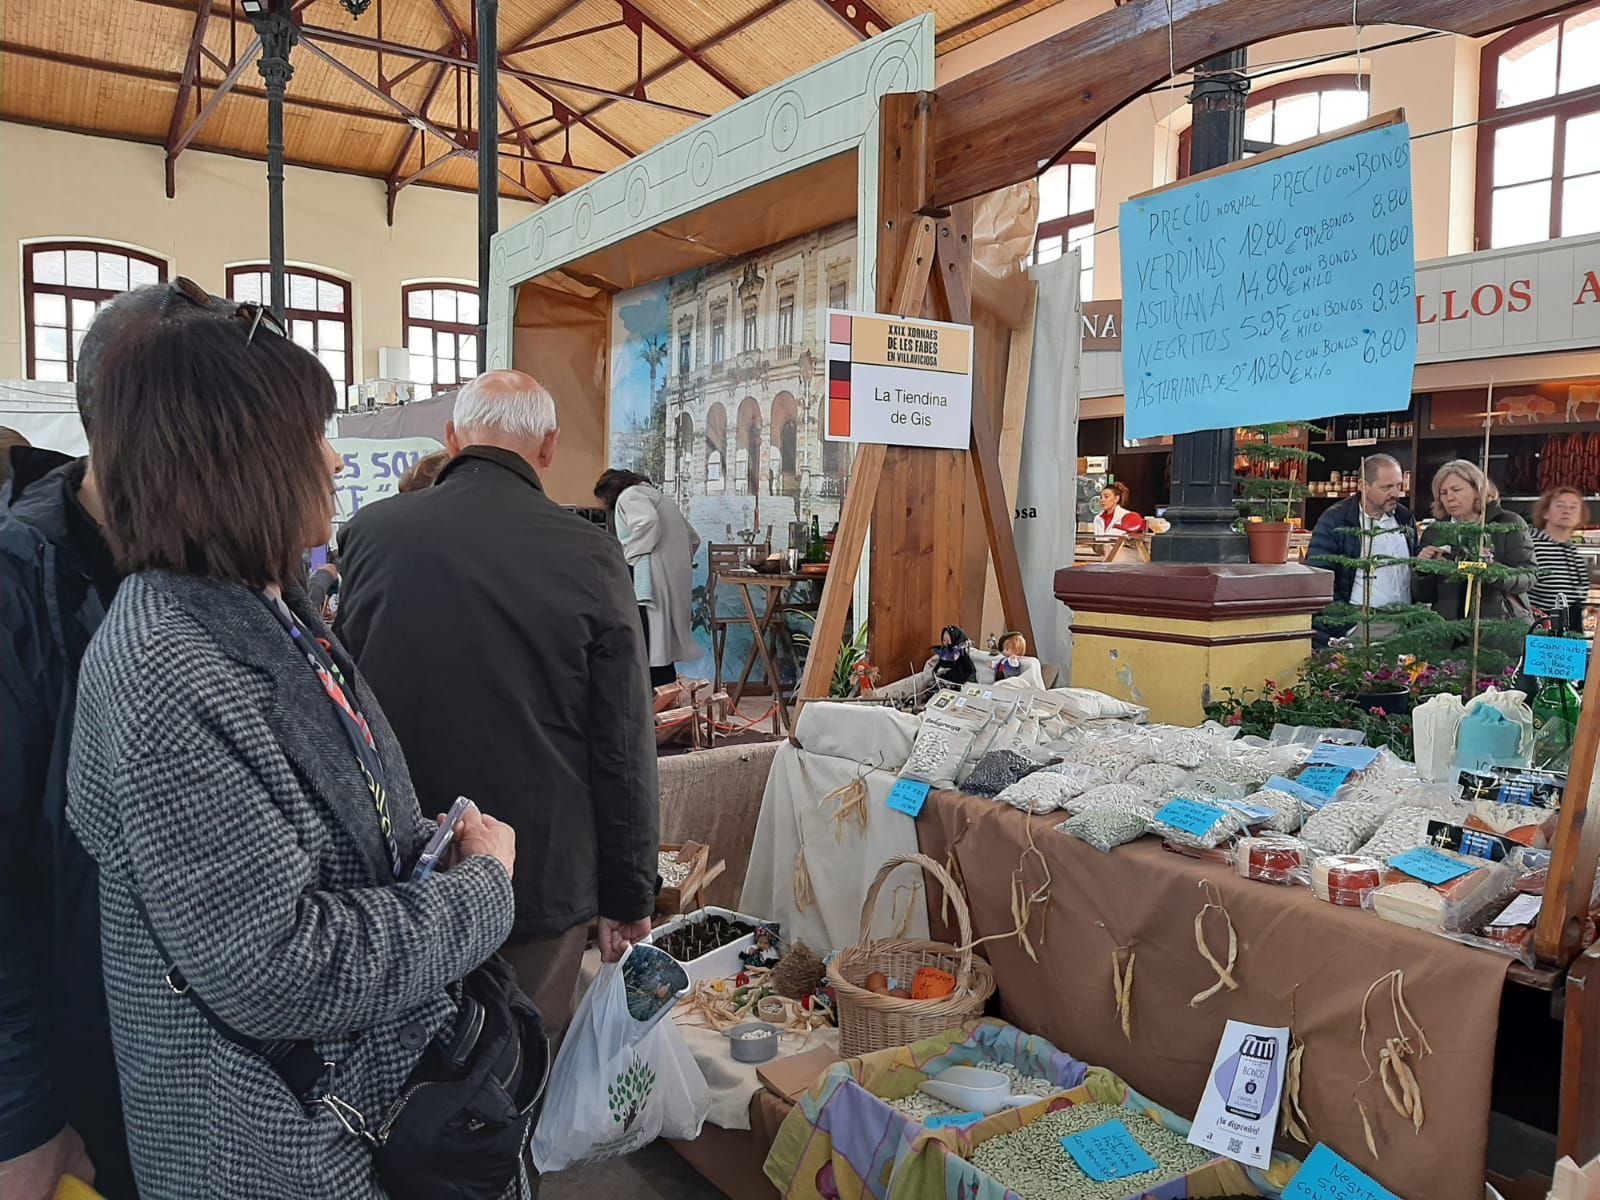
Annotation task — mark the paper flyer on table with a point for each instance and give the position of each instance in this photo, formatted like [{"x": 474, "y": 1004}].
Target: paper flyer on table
[{"x": 1238, "y": 1113}]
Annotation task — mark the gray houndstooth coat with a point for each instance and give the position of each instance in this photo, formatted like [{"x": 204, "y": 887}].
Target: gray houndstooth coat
[{"x": 211, "y": 778}]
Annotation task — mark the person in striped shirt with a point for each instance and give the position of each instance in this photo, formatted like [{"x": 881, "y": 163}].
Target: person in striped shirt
[{"x": 1562, "y": 587}]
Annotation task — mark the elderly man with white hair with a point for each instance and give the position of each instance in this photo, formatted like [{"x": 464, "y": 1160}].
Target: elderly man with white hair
[{"x": 501, "y": 635}]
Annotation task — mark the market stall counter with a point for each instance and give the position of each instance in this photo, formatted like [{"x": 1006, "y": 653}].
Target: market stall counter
[{"x": 1300, "y": 962}]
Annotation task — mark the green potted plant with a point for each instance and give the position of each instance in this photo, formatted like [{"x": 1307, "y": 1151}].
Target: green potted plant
[{"x": 1272, "y": 484}]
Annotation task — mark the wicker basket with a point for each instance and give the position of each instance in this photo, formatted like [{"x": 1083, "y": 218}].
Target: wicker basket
[{"x": 868, "y": 1021}]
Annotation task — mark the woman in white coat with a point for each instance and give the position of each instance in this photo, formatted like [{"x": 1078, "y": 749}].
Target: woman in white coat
[{"x": 659, "y": 545}]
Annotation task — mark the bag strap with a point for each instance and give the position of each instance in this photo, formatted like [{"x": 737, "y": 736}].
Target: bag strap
[{"x": 297, "y": 1062}]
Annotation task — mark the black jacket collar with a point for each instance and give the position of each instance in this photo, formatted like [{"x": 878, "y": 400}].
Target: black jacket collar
[{"x": 508, "y": 459}]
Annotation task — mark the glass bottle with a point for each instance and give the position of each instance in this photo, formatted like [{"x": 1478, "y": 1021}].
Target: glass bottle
[{"x": 816, "y": 549}]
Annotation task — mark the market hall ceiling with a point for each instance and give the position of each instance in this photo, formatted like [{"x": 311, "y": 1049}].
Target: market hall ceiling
[{"x": 585, "y": 84}]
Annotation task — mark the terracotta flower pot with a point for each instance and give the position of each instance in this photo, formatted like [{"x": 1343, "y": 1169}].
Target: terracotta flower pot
[{"x": 1269, "y": 541}]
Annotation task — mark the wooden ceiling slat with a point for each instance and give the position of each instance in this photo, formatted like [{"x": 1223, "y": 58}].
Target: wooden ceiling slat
[{"x": 334, "y": 121}]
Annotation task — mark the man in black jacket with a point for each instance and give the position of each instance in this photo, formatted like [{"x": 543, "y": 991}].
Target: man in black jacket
[
  {"x": 501, "y": 634},
  {"x": 1392, "y": 532},
  {"x": 60, "y": 1111}
]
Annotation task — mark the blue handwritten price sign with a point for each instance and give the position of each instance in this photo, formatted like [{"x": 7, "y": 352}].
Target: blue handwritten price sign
[
  {"x": 1336, "y": 754},
  {"x": 1190, "y": 816},
  {"x": 909, "y": 796},
  {"x": 1556, "y": 658},
  {"x": 1325, "y": 781},
  {"x": 1430, "y": 865},
  {"x": 1326, "y": 1176},
  {"x": 952, "y": 1120},
  {"x": 1286, "y": 286},
  {"x": 1298, "y": 790},
  {"x": 1108, "y": 1152}
]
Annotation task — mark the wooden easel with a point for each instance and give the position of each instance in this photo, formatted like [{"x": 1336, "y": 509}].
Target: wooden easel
[{"x": 924, "y": 269}]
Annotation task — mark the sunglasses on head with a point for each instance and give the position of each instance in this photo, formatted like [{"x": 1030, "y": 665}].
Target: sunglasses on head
[{"x": 254, "y": 315}]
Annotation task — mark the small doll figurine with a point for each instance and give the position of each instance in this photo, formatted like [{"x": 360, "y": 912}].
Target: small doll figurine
[
  {"x": 764, "y": 954},
  {"x": 1013, "y": 646},
  {"x": 955, "y": 662}
]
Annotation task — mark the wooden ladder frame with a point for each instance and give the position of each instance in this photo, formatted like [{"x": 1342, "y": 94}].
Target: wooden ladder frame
[{"x": 924, "y": 270}]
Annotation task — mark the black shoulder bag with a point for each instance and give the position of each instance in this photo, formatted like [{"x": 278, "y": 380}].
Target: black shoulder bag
[{"x": 461, "y": 1123}]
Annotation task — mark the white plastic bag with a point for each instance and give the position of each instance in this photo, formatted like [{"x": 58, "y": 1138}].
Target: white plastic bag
[{"x": 618, "y": 1084}]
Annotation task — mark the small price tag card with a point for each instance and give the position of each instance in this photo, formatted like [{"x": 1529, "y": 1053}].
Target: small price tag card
[
  {"x": 1108, "y": 1152},
  {"x": 1556, "y": 658},
  {"x": 1325, "y": 781},
  {"x": 1524, "y": 910},
  {"x": 1326, "y": 1176},
  {"x": 1298, "y": 790},
  {"x": 952, "y": 1121},
  {"x": 1190, "y": 816},
  {"x": 909, "y": 796},
  {"x": 1430, "y": 865},
  {"x": 1253, "y": 814},
  {"x": 1335, "y": 754}
]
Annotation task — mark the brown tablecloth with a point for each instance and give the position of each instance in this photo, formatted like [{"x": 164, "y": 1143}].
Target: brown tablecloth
[
  {"x": 731, "y": 1160},
  {"x": 1296, "y": 955}
]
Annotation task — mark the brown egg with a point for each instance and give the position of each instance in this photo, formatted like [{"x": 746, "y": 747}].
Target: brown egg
[
  {"x": 900, "y": 993},
  {"x": 878, "y": 982}
]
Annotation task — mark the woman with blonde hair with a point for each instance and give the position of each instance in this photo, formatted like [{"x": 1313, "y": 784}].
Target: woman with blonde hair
[
  {"x": 1464, "y": 495},
  {"x": 1564, "y": 575}
]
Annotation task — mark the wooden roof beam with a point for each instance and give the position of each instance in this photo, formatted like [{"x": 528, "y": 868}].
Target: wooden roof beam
[
  {"x": 859, "y": 16},
  {"x": 989, "y": 132},
  {"x": 392, "y": 190},
  {"x": 527, "y": 145}
]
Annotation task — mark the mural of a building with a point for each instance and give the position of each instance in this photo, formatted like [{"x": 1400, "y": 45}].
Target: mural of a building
[{"x": 718, "y": 378}]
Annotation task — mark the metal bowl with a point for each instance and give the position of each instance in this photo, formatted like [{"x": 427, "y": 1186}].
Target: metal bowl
[{"x": 752, "y": 1042}]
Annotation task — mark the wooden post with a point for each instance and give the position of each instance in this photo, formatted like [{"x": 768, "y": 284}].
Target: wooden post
[
  {"x": 924, "y": 263},
  {"x": 906, "y": 245},
  {"x": 1577, "y": 842}
]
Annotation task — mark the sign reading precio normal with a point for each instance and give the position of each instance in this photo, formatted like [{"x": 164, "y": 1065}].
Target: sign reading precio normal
[
  {"x": 1283, "y": 289},
  {"x": 898, "y": 381}
]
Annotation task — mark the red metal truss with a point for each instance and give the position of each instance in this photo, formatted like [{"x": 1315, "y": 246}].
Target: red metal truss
[
  {"x": 197, "y": 99},
  {"x": 858, "y": 15}
]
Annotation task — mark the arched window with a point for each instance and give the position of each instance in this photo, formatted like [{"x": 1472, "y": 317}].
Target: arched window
[
  {"x": 1292, "y": 112},
  {"x": 441, "y": 327},
  {"x": 1539, "y": 140},
  {"x": 63, "y": 285},
  {"x": 1066, "y": 214},
  {"x": 317, "y": 313}
]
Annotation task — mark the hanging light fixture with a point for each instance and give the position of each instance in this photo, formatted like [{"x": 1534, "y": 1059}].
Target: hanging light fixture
[{"x": 356, "y": 7}]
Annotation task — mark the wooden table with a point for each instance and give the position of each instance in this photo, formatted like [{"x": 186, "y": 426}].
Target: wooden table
[{"x": 761, "y": 624}]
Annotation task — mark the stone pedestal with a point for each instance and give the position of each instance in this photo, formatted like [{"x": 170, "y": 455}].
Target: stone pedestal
[{"x": 1170, "y": 635}]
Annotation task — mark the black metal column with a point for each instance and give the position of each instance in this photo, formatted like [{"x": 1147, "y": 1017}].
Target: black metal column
[
  {"x": 278, "y": 36},
  {"x": 488, "y": 159},
  {"x": 1202, "y": 510}
]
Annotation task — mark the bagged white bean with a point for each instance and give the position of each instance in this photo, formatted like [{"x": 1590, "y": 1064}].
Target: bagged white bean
[
  {"x": 1124, "y": 797},
  {"x": 1404, "y": 829},
  {"x": 1341, "y": 826},
  {"x": 1038, "y": 793},
  {"x": 1079, "y": 778},
  {"x": 1181, "y": 746},
  {"x": 1289, "y": 811},
  {"x": 1227, "y": 827},
  {"x": 1158, "y": 777}
]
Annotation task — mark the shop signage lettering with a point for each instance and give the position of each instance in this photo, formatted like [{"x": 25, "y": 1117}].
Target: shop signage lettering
[
  {"x": 898, "y": 381},
  {"x": 1238, "y": 1112},
  {"x": 371, "y": 469},
  {"x": 1287, "y": 284}
]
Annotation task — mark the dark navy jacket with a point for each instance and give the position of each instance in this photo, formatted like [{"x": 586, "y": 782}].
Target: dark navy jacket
[{"x": 56, "y": 1065}]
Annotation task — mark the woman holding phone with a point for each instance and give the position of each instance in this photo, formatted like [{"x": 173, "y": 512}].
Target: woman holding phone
[{"x": 244, "y": 797}]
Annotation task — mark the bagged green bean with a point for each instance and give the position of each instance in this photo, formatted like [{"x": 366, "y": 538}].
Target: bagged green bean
[{"x": 1106, "y": 828}]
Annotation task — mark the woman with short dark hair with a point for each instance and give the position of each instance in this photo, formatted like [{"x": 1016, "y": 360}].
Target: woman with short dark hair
[{"x": 243, "y": 795}]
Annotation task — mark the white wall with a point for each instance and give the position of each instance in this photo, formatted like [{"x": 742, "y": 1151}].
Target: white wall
[
  {"x": 70, "y": 186},
  {"x": 1435, "y": 81}
]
